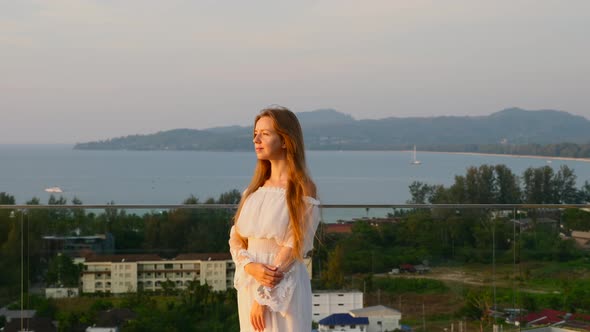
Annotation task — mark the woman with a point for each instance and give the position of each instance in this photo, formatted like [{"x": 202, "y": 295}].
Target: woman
[{"x": 274, "y": 228}]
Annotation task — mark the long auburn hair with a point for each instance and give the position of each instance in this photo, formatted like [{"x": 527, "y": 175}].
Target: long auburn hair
[{"x": 299, "y": 183}]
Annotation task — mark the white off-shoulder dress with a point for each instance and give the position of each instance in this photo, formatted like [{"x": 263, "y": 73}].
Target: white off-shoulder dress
[{"x": 264, "y": 221}]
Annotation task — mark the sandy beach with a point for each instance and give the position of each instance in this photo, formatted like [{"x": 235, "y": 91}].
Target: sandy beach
[{"x": 587, "y": 160}]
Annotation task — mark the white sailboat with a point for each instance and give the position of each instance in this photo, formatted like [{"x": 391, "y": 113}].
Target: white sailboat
[{"x": 414, "y": 160}]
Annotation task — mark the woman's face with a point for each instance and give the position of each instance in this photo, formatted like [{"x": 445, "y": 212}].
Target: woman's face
[{"x": 267, "y": 143}]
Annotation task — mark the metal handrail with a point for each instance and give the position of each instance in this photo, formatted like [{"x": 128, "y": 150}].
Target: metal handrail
[{"x": 329, "y": 206}]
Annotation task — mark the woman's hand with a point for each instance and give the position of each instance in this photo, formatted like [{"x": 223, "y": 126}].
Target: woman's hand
[
  {"x": 257, "y": 316},
  {"x": 266, "y": 275}
]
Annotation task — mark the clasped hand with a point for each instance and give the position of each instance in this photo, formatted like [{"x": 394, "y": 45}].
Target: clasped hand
[{"x": 266, "y": 275}]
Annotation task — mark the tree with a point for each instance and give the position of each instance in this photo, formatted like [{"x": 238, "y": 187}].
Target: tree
[
  {"x": 457, "y": 192},
  {"x": 168, "y": 287},
  {"x": 419, "y": 192},
  {"x": 477, "y": 307},
  {"x": 576, "y": 219},
  {"x": 538, "y": 185},
  {"x": 481, "y": 184},
  {"x": 584, "y": 193},
  {"x": 5, "y": 219},
  {"x": 63, "y": 272},
  {"x": 508, "y": 186},
  {"x": 334, "y": 276},
  {"x": 191, "y": 200},
  {"x": 34, "y": 201},
  {"x": 565, "y": 186},
  {"x": 230, "y": 197},
  {"x": 6, "y": 199}
]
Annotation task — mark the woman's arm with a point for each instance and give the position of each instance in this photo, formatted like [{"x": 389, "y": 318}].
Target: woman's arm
[
  {"x": 266, "y": 275},
  {"x": 284, "y": 259}
]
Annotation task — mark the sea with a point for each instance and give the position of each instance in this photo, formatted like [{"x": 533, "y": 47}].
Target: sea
[{"x": 169, "y": 177}]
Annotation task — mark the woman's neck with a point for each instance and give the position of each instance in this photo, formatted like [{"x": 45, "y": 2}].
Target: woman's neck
[{"x": 279, "y": 174}]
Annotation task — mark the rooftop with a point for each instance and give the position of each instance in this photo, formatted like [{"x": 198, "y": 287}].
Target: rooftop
[
  {"x": 378, "y": 310},
  {"x": 344, "y": 319}
]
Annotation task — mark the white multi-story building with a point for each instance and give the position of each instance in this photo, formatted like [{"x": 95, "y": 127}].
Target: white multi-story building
[
  {"x": 326, "y": 303},
  {"x": 128, "y": 273}
]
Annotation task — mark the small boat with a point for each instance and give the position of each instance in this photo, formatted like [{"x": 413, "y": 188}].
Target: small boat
[
  {"x": 414, "y": 160},
  {"x": 54, "y": 190}
]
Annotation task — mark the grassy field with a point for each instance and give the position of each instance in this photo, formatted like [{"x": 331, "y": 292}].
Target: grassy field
[{"x": 541, "y": 283}]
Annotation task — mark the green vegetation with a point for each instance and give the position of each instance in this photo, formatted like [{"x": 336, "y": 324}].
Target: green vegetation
[
  {"x": 196, "y": 308},
  {"x": 534, "y": 267},
  {"x": 496, "y": 184},
  {"x": 166, "y": 233}
]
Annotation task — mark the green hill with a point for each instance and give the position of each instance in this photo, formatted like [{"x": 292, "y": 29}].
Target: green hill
[{"x": 328, "y": 129}]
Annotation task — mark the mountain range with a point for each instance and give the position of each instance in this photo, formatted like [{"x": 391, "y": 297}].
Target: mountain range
[{"x": 327, "y": 129}]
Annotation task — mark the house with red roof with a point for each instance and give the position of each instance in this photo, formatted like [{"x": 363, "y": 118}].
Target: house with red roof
[{"x": 550, "y": 317}]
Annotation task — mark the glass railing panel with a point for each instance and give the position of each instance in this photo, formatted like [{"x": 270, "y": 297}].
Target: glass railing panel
[
  {"x": 462, "y": 267},
  {"x": 453, "y": 267},
  {"x": 72, "y": 264}
]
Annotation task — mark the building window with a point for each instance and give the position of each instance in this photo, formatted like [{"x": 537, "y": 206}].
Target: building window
[
  {"x": 168, "y": 266},
  {"x": 316, "y": 305}
]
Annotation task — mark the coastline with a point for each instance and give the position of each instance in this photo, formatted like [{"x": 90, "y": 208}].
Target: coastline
[
  {"x": 587, "y": 160},
  {"x": 70, "y": 146}
]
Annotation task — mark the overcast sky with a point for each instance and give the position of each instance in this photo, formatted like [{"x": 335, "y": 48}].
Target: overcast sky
[{"x": 79, "y": 70}]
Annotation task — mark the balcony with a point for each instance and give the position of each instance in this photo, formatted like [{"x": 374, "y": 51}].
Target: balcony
[{"x": 442, "y": 266}]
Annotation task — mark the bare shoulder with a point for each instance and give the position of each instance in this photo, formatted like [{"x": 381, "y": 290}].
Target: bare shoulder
[{"x": 310, "y": 189}]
